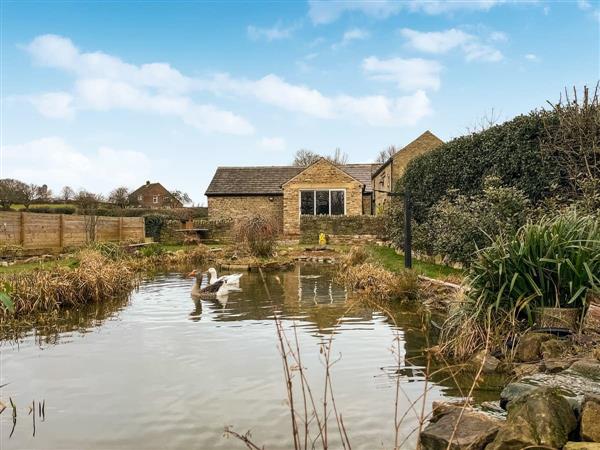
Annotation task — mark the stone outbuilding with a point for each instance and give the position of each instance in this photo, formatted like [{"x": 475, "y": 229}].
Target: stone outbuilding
[{"x": 285, "y": 193}]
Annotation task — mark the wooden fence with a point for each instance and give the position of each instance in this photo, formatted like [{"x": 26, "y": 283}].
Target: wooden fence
[{"x": 56, "y": 231}]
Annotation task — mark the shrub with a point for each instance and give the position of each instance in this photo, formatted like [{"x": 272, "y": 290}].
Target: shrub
[
  {"x": 372, "y": 280},
  {"x": 259, "y": 233},
  {"x": 52, "y": 210},
  {"x": 151, "y": 250},
  {"x": 552, "y": 263},
  {"x": 154, "y": 224},
  {"x": 110, "y": 250}
]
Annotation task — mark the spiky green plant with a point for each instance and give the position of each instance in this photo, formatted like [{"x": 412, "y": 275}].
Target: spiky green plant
[{"x": 552, "y": 263}]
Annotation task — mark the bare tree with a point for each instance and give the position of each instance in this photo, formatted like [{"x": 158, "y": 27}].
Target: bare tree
[
  {"x": 88, "y": 203},
  {"x": 183, "y": 197},
  {"x": 339, "y": 158},
  {"x": 304, "y": 158},
  {"x": 67, "y": 193},
  {"x": 386, "y": 154},
  {"x": 488, "y": 120},
  {"x": 11, "y": 191},
  {"x": 30, "y": 192},
  {"x": 119, "y": 196},
  {"x": 43, "y": 193}
]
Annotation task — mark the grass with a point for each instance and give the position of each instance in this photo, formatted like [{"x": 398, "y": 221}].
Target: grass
[
  {"x": 26, "y": 267},
  {"x": 394, "y": 262}
]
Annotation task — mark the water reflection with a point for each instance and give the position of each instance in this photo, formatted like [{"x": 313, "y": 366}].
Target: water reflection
[{"x": 162, "y": 370}]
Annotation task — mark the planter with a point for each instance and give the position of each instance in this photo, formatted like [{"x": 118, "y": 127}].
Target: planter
[
  {"x": 558, "y": 318},
  {"x": 591, "y": 322}
]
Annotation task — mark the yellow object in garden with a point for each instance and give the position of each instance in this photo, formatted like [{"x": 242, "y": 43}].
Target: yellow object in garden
[{"x": 322, "y": 239}]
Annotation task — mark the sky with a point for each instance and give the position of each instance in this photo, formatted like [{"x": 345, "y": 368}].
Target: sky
[{"x": 100, "y": 94}]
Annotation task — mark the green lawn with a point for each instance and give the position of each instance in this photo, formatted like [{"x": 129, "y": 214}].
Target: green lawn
[
  {"x": 24, "y": 267},
  {"x": 391, "y": 260}
]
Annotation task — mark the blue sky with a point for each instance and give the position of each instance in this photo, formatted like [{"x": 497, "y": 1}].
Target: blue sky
[{"x": 101, "y": 94}]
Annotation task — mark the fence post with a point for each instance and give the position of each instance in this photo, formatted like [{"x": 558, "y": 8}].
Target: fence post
[
  {"x": 61, "y": 232},
  {"x": 407, "y": 231},
  {"x": 22, "y": 230}
]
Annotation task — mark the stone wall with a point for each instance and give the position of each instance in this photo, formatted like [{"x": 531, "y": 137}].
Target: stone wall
[
  {"x": 235, "y": 207},
  {"x": 388, "y": 177},
  {"x": 321, "y": 175},
  {"x": 339, "y": 229}
]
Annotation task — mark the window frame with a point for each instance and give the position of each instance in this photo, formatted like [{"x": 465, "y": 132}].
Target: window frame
[
  {"x": 156, "y": 199},
  {"x": 314, "y": 191}
]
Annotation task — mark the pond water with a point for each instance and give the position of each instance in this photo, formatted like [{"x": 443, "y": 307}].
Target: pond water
[{"x": 164, "y": 371}]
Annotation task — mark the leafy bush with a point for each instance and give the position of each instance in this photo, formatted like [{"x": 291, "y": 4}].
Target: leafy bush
[
  {"x": 152, "y": 250},
  {"x": 259, "y": 233},
  {"x": 552, "y": 263}
]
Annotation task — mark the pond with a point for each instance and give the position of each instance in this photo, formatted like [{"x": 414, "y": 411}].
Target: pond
[{"x": 164, "y": 371}]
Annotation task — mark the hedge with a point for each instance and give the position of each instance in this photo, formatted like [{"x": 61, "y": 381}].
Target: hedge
[{"x": 510, "y": 151}]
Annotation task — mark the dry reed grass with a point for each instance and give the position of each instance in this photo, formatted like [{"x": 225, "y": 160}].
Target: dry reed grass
[
  {"x": 374, "y": 281},
  {"x": 95, "y": 279}
]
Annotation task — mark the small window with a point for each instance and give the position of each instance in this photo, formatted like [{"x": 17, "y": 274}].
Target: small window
[
  {"x": 140, "y": 198},
  {"x": 155, "y": 199}
]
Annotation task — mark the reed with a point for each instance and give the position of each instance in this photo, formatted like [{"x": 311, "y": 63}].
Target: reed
[
  {"x": 96, "y": 278},
  {"x": 374, "y": 281}
]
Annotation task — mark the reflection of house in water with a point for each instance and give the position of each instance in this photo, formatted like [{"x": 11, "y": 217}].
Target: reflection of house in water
[{"x": 306, "y": 294}]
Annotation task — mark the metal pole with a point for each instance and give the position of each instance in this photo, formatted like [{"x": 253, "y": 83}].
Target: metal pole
[{"x": 407, "y": 231}]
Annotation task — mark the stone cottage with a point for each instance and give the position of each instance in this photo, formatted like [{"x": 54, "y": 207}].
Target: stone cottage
[{"x": 323, "y": 188}]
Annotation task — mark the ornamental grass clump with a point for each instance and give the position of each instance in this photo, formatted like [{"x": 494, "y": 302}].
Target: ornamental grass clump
[
  {"x": 374, "y": 281},
  {"x": 553, "y": 263}
]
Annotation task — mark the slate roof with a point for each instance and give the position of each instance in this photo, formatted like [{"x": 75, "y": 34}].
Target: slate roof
[{"x": 267, "y": 180}]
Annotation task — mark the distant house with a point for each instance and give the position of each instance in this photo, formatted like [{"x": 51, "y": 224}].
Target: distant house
[
  {"x": 153, "y": 195},
  {"x": 323, "y": 188}
]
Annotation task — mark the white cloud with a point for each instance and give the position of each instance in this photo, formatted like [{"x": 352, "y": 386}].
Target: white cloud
[
  {"x": 104, "y": 82},
  {"x": 54, "y": 162},
  {"x": 498, "y": 36},
  {"x": 355, "y": 34},
  {"x": 55, "y": 105},
  {"x": 435, "y": 41},
  {"x": 328, "y": 11},
  {"x": 275, "y": 144},
  {"x": 584, "y": 5},
  {"x": 409, "y": 74},
  {"x": 375, "y": 110},
  {"x": 444, "y": 41},
  {"x": 531, "y": 57},
  {"x": 276, "y": 32}
]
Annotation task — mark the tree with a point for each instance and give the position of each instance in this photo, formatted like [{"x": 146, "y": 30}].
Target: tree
[
  {"x": 183, "y": 197},
  {"x": 11, "y": 191},
  {"x": 30, "y": 192},
  {"x": 386, "y": 154},
  {"x": 43, "y": 193},
  {"x": 119, "y": 196},
  {"x": 67, "y": 193},
  {"x": 304, "y": 158},
  {"x": 88, "y": 203}
]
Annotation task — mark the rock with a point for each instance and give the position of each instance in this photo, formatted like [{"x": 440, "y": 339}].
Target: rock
[
  {"x": 553, "y": 348},
  {"x": 587, "y": 368},
  {"x": 520, "y": 370},
  {"x": 591, "y": 322},
  {"x": 485, "y": 361},
  {"x": 530, "y": 346},
  {"x": 439, "y": 409},
  {"x": 514, "y": 391},
  {"x": 582, "y": 446},
  {"x": 541, "y": 418},
  {"x": 557, "y": 365},
  {"x": 590, "y": 419},
  {"x": 474, "y": 432}
]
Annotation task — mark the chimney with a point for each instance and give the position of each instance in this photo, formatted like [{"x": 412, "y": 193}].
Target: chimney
[{"x": 148, "y": 183}]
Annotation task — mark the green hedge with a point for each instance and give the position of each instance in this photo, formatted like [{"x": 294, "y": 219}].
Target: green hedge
[{"x": 510, "y": 151}]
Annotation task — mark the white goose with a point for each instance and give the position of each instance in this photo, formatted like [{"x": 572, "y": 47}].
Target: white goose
[{"x": 230, "y": 280}]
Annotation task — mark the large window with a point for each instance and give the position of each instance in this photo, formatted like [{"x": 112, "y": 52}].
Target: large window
[{"x": 329, "y": 202}]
